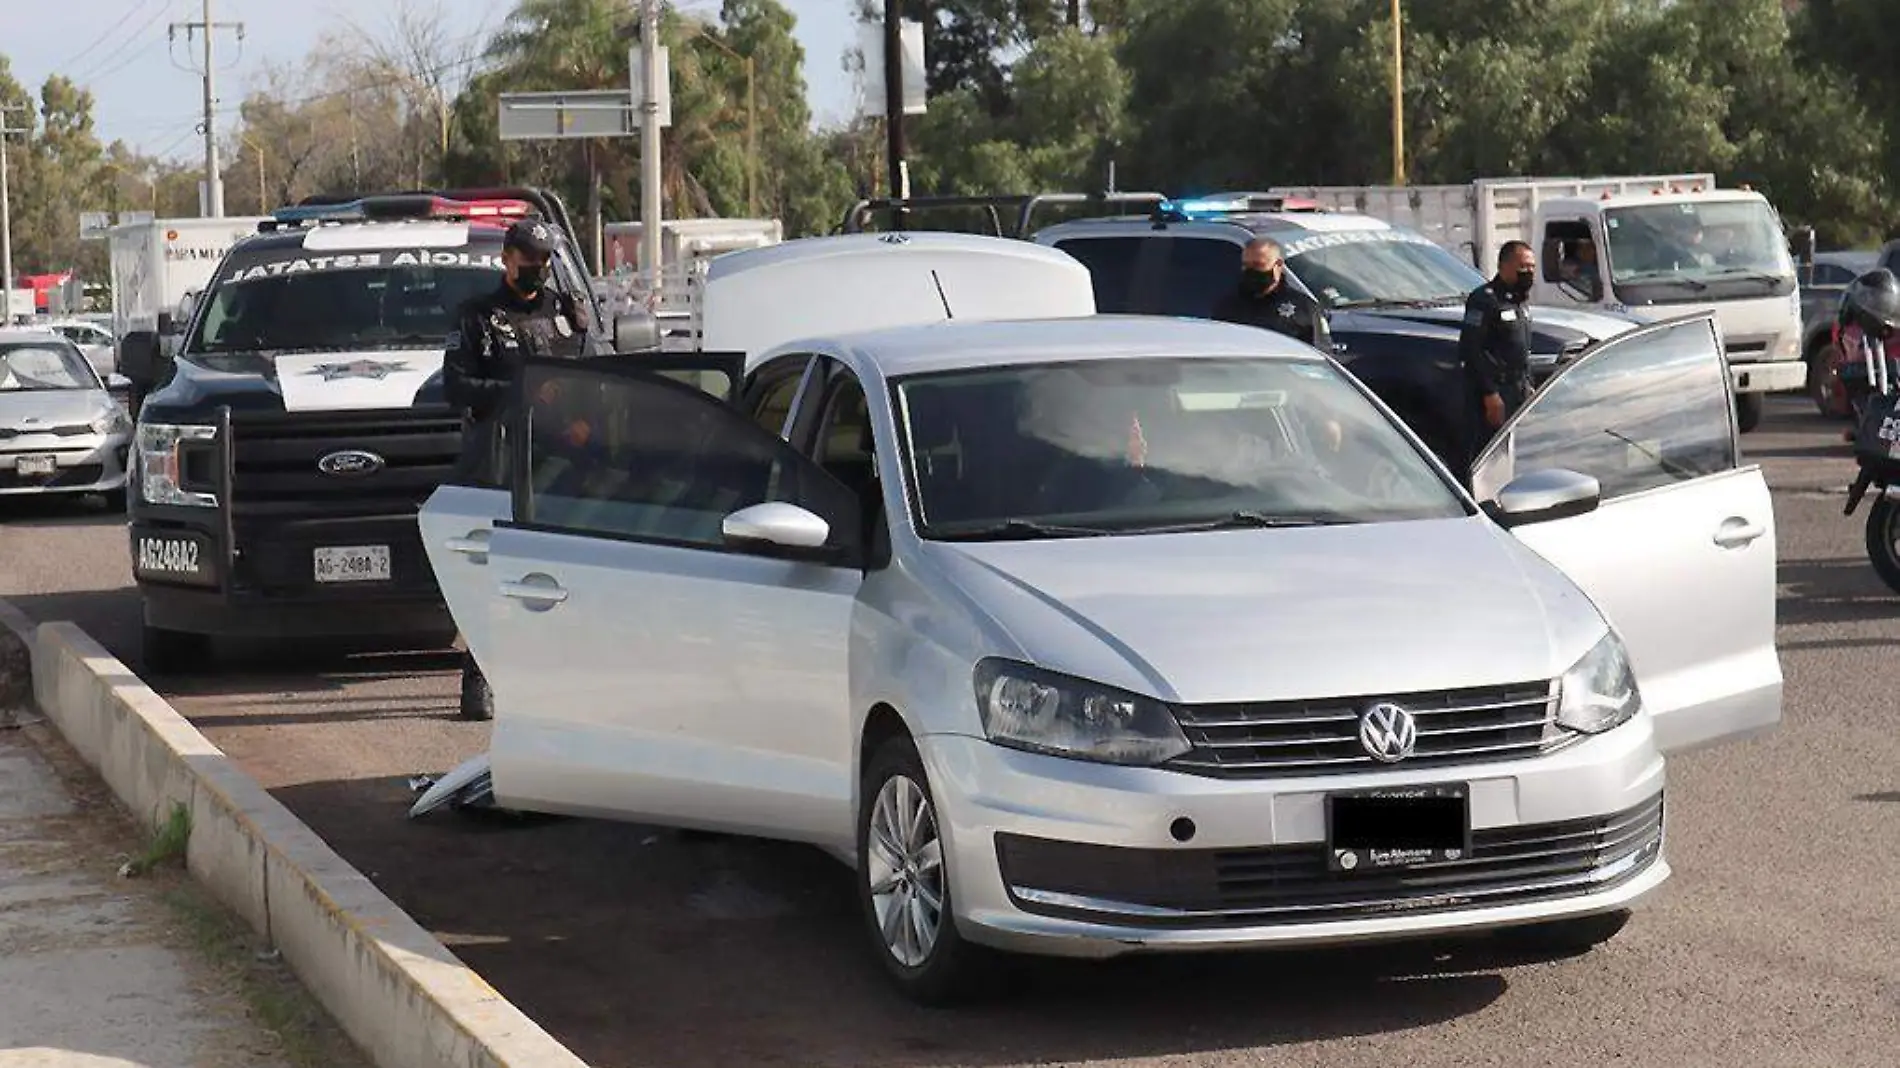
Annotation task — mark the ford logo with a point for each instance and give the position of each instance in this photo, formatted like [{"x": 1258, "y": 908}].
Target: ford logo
[{"x": 350, "y": 463}]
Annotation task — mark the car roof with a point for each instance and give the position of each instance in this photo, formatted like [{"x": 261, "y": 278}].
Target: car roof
[
  {"x": 17, "y": 334},
  {"x": 1259, "y": 223},
  {"x": 832, "y": 246},
  {"x": 953, "y": 345}
]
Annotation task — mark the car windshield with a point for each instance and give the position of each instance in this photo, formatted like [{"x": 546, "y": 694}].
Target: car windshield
[
  {"x": 1693, "y": 243},
  {"x": 44, "y": 365},
  {"x": 293, "y": 299},
  {"x": 1153, "y": 445},
  {"x": 1369, "y": 268}
]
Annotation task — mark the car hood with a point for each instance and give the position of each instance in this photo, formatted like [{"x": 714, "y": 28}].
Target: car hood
[
  {"x": 1262, "y": 615},
  {"x": 48, "y": 408},
  {"x": 300, "y": 382},
  {"x": 1553, "y": 329}
]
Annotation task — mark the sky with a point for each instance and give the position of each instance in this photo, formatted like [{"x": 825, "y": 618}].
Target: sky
[{"x": 118, "y": 49}]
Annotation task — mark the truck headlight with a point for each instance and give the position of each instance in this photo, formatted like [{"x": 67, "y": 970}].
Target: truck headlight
[
  {"x": 1023, "y": 707},
  {"x": 1599, "y": 691},
  {"x": 160, "y": 468}
]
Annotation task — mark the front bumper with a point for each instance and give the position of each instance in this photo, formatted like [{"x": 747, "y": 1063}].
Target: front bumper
[
  {"x": 189, "y": 581},
  {"x": 1769, "y": 376},
  {"x": 1066, "y": 858},
  {"x": 90, "y": 463}
]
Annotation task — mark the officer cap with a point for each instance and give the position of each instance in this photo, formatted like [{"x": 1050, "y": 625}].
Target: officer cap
[{"x": 530, "y": 235}]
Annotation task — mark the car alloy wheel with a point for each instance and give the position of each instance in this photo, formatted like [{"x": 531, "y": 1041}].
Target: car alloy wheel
[{"x": 904, "y": 866}]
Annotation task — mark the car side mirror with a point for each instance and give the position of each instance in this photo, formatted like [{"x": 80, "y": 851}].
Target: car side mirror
[
  {"x": 118, "y": 383},
  {"x": 776, "y": 524},
  {"x": 186, "y": 305},
  {"x": 1543, "y": 496},
  {"x": 636, "y": 332},
  {"x": 141, "y": 358}
]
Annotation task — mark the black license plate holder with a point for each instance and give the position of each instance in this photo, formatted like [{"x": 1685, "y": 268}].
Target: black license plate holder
[{"x": 1398, "y": 827}]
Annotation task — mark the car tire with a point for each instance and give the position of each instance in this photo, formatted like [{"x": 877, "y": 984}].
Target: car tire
[
  {"x": 478, "y": 701},
  {"x": 930, "y": 963},
  {"x": 1883, "y": 530},
  {"x": 1748, "y": 410},
  {"x": 1565, "y": 938},
  {"x": 1824, "y": 383},
  {"x": 174, "y": 652}
]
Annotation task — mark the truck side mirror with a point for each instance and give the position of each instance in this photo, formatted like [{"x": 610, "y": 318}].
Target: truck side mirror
[
  {"x": 1802, "y": 243},
  {"x": 1551, "y": 260},
  {"x": 140, "y": 358},
  {"x": 636, "y": 331}
]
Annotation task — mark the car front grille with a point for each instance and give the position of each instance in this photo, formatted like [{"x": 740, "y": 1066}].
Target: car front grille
[
  {"x": 274, "y": 466},
  {"x": 1174, "y": 888},
  {"x": 1256, "y": 740}
]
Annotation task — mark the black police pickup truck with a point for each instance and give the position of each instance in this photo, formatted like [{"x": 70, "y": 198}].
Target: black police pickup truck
[{"x": 285, "y": 444}]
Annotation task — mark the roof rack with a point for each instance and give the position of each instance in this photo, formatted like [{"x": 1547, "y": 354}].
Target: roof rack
[{"x": 1022, "y": 206}]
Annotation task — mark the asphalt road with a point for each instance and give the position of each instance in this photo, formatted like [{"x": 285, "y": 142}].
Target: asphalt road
[{"x": 1777, "y": 943}]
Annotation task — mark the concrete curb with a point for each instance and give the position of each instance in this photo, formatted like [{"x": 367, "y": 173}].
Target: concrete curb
[{"x": 393, "y": 986}]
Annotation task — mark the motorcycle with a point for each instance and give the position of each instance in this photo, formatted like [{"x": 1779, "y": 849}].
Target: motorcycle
[{"x": 1874, "y": 394}]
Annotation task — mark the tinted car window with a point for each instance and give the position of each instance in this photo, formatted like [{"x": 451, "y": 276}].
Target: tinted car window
[
  {"x": 1132, "y": 444},
  {"x": 1641, "y": 413},
  {"x": 1111, "y": 262},
  {"x": 650, "y": 457},
  {"x": 1201, "y": 270}
]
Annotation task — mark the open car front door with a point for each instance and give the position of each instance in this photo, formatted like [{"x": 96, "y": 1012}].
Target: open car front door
[
  {"x": 669, "y": 607},
  {"x": 1680, "y": 555}
]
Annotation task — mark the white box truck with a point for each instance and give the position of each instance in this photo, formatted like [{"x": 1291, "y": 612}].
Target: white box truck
[
  {"x": 687, "y": 246},
  {"x": 1652, "y": 246},
  {"x": 156, "y": 262}
]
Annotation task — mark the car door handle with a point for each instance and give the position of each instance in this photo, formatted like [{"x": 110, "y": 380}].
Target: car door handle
[
  {"x": 536, "y": 590},
  {"x": 1736, "y": 532},
  {"x": 473, "y": 545}
]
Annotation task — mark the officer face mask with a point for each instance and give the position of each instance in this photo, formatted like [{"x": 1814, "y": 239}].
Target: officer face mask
[
  {"x": 530, "y": 276},
  {"x": 1520, "y": 287},
  {"x": 1258, "y": 282}
]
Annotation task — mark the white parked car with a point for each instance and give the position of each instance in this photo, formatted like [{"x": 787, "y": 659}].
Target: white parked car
[
  {"x": 61, "y": 431},
  {"x": 1092, "y": 636},
  {"x": 92, "y": 339}
]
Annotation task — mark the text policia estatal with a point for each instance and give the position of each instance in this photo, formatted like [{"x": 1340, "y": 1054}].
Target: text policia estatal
[{"x": 356, "y": 261}]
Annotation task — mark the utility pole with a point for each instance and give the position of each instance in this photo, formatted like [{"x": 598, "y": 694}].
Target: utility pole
[
  {"x": 214, "y": 182},
  {"x": 650, "y": 142},
  {"x": 894, "y": 105},
  {"x": 6, "y": 217},
  {"x": 1398, "y": 95}
]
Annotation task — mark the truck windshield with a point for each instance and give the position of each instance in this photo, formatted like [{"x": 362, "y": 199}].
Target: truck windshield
[
  {"x": 284, "y": 300},
  {"x": 1707, "y": 250},
  {"x": 1374, "y": 268}
]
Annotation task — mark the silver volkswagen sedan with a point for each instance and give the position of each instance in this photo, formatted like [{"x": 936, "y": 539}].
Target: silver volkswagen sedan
[
  {"x": 1106, "y": 635},
  {"x": 61, "y": 431}
]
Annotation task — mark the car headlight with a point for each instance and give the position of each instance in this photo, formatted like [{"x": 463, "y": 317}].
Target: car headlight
[
  {"x": 160, "y": 467},
  {"x": 1599, "y": 691},
  {"x": 111, "y": 422},
  {"x": 1027, "y": 708}
]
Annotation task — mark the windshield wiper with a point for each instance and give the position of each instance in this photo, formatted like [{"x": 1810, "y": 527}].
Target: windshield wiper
[
  {"x": 1662, "y": 279},
  {"x": 1022, "y": 530},
  {"x": 1243, "y": 519},
  {"x": 1744, "y": 274}
]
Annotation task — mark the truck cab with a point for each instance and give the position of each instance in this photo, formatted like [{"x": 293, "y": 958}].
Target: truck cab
[{"x": 301, "y": 422}]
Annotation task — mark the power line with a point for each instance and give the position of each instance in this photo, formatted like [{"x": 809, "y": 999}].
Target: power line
[
  {"x": 101, "y": 39},
  {"x": 80, "y": 79}
]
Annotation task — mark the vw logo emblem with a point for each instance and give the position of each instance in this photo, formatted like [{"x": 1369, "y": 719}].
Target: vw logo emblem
[
  {"x": 1388, "y": 733},
  {"x": 350, "y": 463},
  {"x": 895, "y": 239}
]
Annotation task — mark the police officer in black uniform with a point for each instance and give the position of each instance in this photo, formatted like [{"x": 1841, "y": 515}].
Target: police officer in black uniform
[
  {"x": 524, "y": 316},
  {"x": 1495, "y": 345},
  {"x": 1263, "y": 298}
]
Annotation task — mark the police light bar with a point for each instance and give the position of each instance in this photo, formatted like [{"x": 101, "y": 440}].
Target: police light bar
[
  {"x": 419, "y": 206},
  {"x": 1214, "y": 206}
]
